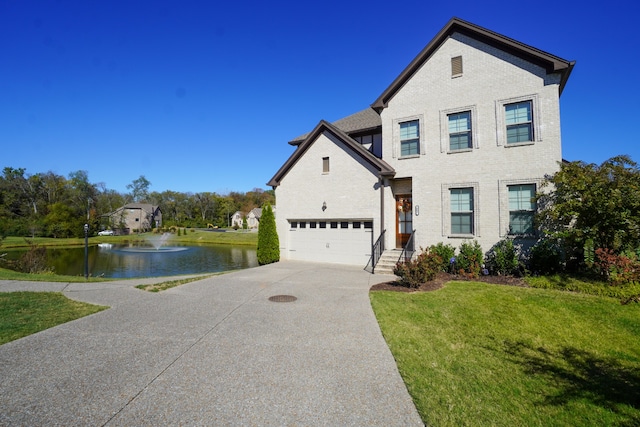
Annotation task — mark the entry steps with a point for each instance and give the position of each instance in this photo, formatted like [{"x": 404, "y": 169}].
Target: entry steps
[{"x": 387, "y": 261}]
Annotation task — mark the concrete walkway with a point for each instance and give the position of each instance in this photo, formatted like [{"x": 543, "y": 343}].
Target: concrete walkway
[{"x": 211, "y": 352}]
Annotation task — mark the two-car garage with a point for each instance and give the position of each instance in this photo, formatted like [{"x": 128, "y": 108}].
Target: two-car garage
[{"x": 336, "y": 241}]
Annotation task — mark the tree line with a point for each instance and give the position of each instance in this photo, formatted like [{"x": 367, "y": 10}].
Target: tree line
[{"x": 51, "y": 205}]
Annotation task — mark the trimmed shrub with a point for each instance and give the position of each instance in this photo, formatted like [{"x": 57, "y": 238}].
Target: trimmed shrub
[
  {"x": 545, "y": 257},
  {"x": 469, "y": 260},
  {"x": 420, "y": 270},
  {"x": 268, "y": 243},
  {"x": 446, "y": 252},
  {"x": 502, "y": 258}
]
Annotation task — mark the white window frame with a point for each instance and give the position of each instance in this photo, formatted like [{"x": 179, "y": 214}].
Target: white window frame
[
  {"x": 446, "y": 209},
  {"x": 501, "y": 123},
  {"x": 397, "y": 146},
  {"x": 444, "y": 129}
]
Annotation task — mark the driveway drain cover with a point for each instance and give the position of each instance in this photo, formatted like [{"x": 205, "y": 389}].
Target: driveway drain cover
[{"x": 282, "y": 298}]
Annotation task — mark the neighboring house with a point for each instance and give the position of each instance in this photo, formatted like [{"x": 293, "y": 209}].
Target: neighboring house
[
  {"x": 253, "y": 218},
  {"x": 135, "y": 217},
  {"x": 236, "y": 219},
  {"x": 455, "y": 149}
]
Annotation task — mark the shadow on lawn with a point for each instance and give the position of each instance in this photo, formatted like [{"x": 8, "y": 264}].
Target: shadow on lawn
[{"x": 582, "y": 375}]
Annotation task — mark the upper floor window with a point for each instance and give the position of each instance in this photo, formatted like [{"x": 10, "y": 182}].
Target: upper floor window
[
  {"x": 461, "y": 210},
  {"x": 460, "y": 131},
  {"x": 519, "y": 122},
  {"x": 522, "y": 207},
  {"x": 409, "y": 138}
]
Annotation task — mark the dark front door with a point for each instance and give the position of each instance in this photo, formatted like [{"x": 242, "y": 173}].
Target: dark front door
[{"x": 404, "y": 220}]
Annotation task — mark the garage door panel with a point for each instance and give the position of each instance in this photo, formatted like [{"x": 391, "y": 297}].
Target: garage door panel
[{"x": 333, "y": 245}]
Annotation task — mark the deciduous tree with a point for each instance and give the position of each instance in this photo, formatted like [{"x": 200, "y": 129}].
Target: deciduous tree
[{"x": 593, "y": 206}]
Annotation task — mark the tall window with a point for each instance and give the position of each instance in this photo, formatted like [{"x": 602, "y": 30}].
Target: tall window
[
  {"x": 522, "y": 207},
  {"x": 461, "y": 211},
  {"x": 519, "y": 121},
  {"x": 459, "y": 131},
  {"x": 409, "y": 138}
]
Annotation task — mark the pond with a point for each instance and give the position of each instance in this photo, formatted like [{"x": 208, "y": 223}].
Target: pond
[{"x": 129, "y": 261}]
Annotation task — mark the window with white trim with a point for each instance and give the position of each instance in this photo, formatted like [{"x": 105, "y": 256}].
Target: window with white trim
[
  {"x": 522, "y": 207},
  {"x": 409, "y": 138},
  {"x": 461, "y": 210},
  {"x": 519, "y": 122},
  {"x": 460, "y": 131}
]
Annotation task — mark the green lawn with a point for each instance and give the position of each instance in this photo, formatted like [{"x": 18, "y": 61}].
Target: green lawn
[
  {"x": 25, "y": 313},
  {"x": 476, "y": 354}
]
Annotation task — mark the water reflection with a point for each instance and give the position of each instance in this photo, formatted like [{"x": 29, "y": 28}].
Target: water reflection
[{"x": 119, "y": 261}]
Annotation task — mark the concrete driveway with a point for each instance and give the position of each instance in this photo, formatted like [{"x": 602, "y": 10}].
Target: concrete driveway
[{"x": 212, "y": 352}]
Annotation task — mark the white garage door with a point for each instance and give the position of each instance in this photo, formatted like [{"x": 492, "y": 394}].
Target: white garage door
[{"x": 335, "y": 241}]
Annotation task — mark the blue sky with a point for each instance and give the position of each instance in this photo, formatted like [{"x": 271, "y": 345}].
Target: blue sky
[{"x": 203, "y": 96}]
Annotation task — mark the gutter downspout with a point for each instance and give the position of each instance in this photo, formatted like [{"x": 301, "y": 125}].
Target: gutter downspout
[{"x": 382, "y": 225}]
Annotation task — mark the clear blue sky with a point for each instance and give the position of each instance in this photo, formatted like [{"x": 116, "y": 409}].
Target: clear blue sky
[{"x": 204, "y": 95}]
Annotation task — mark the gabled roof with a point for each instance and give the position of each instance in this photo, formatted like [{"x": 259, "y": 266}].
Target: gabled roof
[
  {"x": 362, "y": 121},
  {"x": 551, "y": 63},
  {"x": 381, "y": 166},
  {"x": 144, "y": 206},
  {"x": 257, "y": 212}
]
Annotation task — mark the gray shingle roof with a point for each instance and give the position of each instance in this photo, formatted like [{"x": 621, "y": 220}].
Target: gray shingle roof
[
  {"x": 361, "y": 121},
  {"x": 382, "y": 167}
]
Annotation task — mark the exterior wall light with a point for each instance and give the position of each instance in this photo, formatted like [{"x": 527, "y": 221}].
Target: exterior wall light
[{"x": 324, "y": 206}]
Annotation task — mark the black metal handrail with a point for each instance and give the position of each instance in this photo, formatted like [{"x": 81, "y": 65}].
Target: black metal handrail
[
  {"x": 408, "y": 249},
  {"x": 377, "y": 250}
]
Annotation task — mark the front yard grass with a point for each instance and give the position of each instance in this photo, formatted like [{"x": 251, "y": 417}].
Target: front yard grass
[
  {"x": 481, "y": 354},
  {"x": 25, "y": 313}
]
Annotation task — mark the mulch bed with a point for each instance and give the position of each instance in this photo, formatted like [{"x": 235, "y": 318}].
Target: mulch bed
[{"x": 442, "y": 278}]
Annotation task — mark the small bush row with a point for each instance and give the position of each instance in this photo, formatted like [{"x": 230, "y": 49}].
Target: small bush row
[{"x": 506, "y": 258}]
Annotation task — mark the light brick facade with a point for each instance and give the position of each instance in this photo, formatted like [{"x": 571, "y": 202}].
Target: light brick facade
[{"x": 496, "y": 71}]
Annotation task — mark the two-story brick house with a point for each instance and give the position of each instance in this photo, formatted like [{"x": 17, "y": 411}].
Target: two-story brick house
[{"x": 455, "y": 149}]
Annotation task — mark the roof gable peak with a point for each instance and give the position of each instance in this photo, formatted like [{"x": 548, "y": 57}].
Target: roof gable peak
[{"x": 551, "y": 63}]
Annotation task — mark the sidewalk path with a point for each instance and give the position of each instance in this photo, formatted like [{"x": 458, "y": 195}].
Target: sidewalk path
[{"x": 212, "y": 352}]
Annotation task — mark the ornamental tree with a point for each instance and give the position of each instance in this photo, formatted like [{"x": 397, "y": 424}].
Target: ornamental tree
[
  {"x": 593, "y": 206},
  {"x": 268, "y": 242}
]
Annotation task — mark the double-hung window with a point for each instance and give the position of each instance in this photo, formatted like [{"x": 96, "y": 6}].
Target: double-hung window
[
  {"x": 461, "y": 210},
  {"x": 460, "y": 131},
  {"x": 519, "y": 121},
  {"x": 409, "y": 138},
  {"x": 522, "y": 207}
]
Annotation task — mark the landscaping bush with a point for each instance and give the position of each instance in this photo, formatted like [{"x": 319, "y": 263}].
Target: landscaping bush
[
  {"x": 34, "y": 261},
  {"x": 469, "y": 260},
  {"x": 423, "y": 268},
  {"x": 546, "y": 257},
  {"x": 502, "y": 258},
  {"x": 446, "y": 252},
  {"x": 618, "y": 269}
]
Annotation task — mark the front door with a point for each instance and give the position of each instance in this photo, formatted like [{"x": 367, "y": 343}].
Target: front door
[{"x": 404, "y": 220}]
